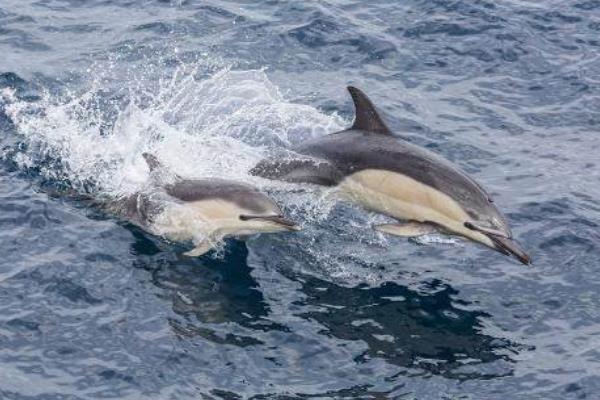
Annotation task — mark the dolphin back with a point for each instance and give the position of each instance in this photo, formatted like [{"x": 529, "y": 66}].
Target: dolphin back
[
  {"x": 244, "y": 196},
  {"x": 301, "y": 170}
]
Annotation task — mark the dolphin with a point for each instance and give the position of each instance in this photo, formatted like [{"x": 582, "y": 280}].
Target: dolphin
[
  {"x": 201, "y": 211},
  {"x": 369, "y": 165}
]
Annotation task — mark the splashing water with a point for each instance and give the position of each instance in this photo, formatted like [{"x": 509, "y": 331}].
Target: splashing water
[{"x": 219, "y": 126}]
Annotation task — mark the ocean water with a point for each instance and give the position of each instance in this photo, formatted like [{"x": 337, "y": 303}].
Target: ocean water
[{"x": 92, "y": 307}]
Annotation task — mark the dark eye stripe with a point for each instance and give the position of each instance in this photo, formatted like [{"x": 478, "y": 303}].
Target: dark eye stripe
[{"x": 265, "y": 217}]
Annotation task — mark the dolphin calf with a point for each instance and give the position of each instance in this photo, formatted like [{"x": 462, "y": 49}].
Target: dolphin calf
[
  {"x": 201, "y": 211},
  {"x": 368, "y": 165}
]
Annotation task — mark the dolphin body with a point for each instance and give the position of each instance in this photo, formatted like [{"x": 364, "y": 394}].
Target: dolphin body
[
  {"x": 201, "y": 211},
  {"x": 368, "y": 165}
]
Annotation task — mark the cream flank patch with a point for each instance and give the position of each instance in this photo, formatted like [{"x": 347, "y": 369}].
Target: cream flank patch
[
  {"x": 208, "y": 219},
  {"x": 198, "y": 220},
  {"x": 404, "y": 198}
]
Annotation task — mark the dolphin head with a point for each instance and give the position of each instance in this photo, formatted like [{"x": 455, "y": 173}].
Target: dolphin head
[
  {"x": 492, "y": 224},
  {"x": 262, "y": 214},
  {"x": 230, "y": 207}
]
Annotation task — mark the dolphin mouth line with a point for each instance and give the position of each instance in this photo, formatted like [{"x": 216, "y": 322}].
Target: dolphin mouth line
[
  {"x": 511, "y": 247},
  {"x": 504, "y": 244},
  {"x": 277, "y": 219},
  {"x": 484, "y": 230}
]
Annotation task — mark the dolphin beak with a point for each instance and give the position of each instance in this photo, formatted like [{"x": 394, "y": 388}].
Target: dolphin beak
[
  {"x": 510, "y": 247},
  {"x": 277, "y": 219},
  {"x": 503, "y": 243},
  {"x": 286, "y": 223}
]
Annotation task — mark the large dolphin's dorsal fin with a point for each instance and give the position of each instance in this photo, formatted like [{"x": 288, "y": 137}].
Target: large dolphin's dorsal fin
[{"x": 367, "y": 118}]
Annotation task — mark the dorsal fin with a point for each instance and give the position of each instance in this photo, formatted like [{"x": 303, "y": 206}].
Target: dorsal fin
[
  {"x": 367, "y": 118},
  {"x": 152, "y": 162},
  {"x": 159, "y": 174}
]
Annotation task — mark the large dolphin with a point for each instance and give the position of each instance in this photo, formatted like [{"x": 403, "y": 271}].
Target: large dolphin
[
  {"x": 201, "y": 211},
  {"x": 386, "y": 174}
]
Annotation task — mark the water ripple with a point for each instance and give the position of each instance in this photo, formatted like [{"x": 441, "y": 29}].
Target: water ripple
[{"x": 93, "y": 307}]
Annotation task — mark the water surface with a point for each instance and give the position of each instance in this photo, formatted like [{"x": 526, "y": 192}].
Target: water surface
[{"x": 91, "y": 307}]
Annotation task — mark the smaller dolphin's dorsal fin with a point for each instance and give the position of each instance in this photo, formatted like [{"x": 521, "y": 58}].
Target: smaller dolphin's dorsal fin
[
  {"x": 367, "y": 118},
  {"x": 152, "y": 162},
  {"x": 159, "y": 174}
]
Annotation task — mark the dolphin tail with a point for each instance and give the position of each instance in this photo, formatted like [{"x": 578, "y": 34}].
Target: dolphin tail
[{"x": 510, "y": 246}]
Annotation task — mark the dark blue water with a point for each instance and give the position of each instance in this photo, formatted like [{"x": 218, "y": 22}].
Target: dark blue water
[{"x": 91, "y": 307}]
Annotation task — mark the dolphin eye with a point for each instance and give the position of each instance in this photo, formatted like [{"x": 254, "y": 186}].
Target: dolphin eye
[{"x": 244, "y": 217}]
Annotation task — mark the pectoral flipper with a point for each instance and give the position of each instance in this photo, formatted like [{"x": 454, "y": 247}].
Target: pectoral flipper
[
  {"x": 408, "y": 229},
  {"x": 200, "y": 249}
]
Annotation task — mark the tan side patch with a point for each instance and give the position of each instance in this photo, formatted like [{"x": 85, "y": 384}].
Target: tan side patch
[{"x": 404, "y": 198}]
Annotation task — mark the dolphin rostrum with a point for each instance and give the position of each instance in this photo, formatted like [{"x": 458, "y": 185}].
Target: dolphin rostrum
[
  {"x": 368, "y": 165},
  {"x": 201, "y": 211}
]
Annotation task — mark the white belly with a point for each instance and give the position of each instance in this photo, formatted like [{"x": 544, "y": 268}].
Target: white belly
[
  {"x": 197, "y": 221},
  {"x": 207, "y": 219}
]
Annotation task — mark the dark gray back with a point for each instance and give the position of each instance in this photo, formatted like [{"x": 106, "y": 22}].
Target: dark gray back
[
  {"x": 341, "y": 154},
  {"x": 245, "y": 196},
  {"x": 295, "y": 170}
]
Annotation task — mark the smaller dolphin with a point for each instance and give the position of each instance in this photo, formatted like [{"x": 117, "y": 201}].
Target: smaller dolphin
[
  {"x": 371, "y": 166},
  {"x": 203, "y": 211}
]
